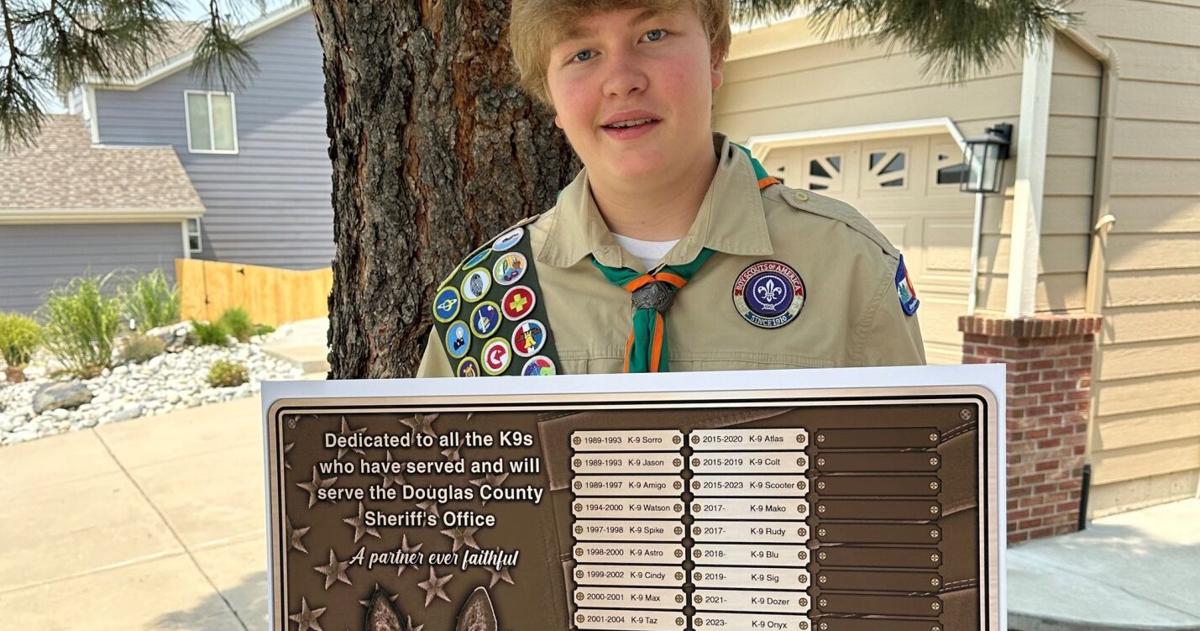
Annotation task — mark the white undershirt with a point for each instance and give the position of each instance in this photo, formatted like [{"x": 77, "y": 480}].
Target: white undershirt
[{"x": 648, "y": 252}]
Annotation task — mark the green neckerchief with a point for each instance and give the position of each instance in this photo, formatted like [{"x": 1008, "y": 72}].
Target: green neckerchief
[{"x": 646, "y": 349}]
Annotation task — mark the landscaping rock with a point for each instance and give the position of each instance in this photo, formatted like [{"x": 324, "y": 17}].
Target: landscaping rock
[
  {"x": 174, "y": 336},
  {"x": 124, "y": 414},
  {"x": 65, "y": 396},
  {"x": 175, "y": 381}
]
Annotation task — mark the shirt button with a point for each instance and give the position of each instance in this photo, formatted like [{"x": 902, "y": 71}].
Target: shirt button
[{"x": 800, "y": 196}]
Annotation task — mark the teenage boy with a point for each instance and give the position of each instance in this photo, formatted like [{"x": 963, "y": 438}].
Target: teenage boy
[{"x": 672, "y": 249}]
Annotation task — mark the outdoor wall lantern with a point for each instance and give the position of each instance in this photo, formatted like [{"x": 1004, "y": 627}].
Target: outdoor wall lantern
[{"x": 984, "y": 157}]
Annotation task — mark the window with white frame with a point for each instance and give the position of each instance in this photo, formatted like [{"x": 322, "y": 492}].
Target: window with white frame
[
  {"x": 211, "y": 122},
  {"x": 195, "y": 245}
]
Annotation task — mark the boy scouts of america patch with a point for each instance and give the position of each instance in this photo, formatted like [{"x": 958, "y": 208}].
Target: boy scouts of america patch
[
  {"x": 768, "y": 294},
  {"x": 488, "y": 316},
  {"x": 905, "y": 290}
]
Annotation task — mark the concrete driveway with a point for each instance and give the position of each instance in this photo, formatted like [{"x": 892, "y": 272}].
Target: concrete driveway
[{"x": 155, "y": 523}]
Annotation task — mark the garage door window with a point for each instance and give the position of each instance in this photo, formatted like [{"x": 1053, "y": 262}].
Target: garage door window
[{"x": 887, "y": 169}]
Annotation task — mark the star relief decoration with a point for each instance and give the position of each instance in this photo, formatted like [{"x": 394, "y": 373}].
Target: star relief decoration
[
  {"x": 492, "y": 480},
  {"x": 390, "y": 479},
  {"x": 346, "y": 430},
  {"x": 452, "y": 454},
  {"x": 360, "y": 524},
  {"x": 462, "y": 537},
  {"x": 429, "y": 506},
  {"x": 497, "y": 576},
  {"x": 407, "y": 549},
  {"x": 287, "y": 448},
  {"x": 317, "y": 482},
  {"x": 433, "y": 587},
  {"x": 307, "y": 618},
  {"x": 295, "y": 536},
  {"x": 422, "y": 423},
  {"x": 335, "y": 571}
]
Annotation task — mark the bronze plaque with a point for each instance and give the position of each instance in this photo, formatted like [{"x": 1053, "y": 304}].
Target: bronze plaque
[{"x": 776, "y": 508}]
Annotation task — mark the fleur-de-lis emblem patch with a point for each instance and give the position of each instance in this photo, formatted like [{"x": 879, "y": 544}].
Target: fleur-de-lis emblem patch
[
  {"x": 769, "y": 291},
  {"x": 768, "y": 294}
]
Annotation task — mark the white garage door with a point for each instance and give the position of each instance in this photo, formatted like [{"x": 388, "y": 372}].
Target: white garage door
[{"x": 908, "y": 187}]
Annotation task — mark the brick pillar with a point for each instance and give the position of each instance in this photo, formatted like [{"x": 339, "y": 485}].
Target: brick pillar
[{"x": 1049, "y": 368}]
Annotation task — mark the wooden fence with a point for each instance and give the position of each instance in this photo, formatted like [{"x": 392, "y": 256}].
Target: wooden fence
[{"x": 271, "y": 295}]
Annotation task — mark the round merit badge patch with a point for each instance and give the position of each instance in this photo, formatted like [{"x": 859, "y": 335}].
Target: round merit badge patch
[
  {"x": 768, "y": 294},
  {"x": 445, "y": 305},
  {"x": 458, "y": 339},
  {"x": 529, "y": 338},
  {"x": 476, "y": 258},
  {"x": 468, "y": 367},
  {"x": 509, "y": 269},
  {"x": 496, "y": 356},
  {"x": 507, "y": 240},
  {"x": 485, "y": 319},
  {"x": 539, "y": 366},
  {"x": 518, "y": 302},
  {"x": 476, "y": 284}
]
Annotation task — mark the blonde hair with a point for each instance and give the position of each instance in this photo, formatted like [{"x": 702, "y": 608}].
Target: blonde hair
[{"x": 536, "y": 26}]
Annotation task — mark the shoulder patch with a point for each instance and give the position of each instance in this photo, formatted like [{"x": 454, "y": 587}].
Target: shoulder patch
[
  {"x": 837, "y": 210},
  {"x": 905, "y": 290}
]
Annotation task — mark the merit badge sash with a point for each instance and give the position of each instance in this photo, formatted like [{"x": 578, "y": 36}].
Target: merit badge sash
[{"x": 489, "y": 314}]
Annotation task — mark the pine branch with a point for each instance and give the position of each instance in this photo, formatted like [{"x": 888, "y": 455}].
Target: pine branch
[
  {"x": 954, "y": 38},
  {"x": 220, "y": 55},
  {"x": 21, "y": 115}
]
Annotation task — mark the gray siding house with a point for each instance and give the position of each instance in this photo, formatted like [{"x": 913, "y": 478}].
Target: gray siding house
[{"x": 251, "y": 164}]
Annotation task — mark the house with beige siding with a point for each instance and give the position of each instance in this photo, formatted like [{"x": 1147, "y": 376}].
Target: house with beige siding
[{"x": 1099, "y": 215}]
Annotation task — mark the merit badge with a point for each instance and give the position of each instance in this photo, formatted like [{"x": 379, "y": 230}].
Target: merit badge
[
  {"x": 768, "y": 294},
  {"x": 507, "y": 240},
  {"x": 445, "y": 305},
  {"x": 539, "y": 366},
  {"x": 458, "y": 339},
  {"x": 496, "y": 356},
  {"x": 529, "y": 338},
  {"x": 905, "y": 290},
  {"x": 509, "y": 269},
  {"x": 518, "y": 302},
  {"x": 476, "y": 284},
  {"x": 476, "y": 258},
  {"x": 485, "y": 319},
  {"x": 468, "y": 367}
]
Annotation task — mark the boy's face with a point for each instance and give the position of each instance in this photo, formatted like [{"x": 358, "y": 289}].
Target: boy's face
[{"x": 633, "y": 65}]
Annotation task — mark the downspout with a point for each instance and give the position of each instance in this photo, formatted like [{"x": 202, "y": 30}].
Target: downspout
[{"x": 1102, "y": 217}]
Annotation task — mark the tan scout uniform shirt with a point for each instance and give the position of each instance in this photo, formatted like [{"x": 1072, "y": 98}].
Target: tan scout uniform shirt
[{"x": 851, "y": 315}]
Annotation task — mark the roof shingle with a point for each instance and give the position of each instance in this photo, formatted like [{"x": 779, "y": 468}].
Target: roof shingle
[{"x": 64, "y": 173}]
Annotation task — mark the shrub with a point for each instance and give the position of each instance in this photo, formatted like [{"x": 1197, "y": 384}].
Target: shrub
[
  {"x": 142, "y": 348},
  {"x": 226, "y": 374},
  {"x": 81, "y": 322},
  {"x": 263, "y": 329},
  {"x": 237, "y": 322},
  {"x": 19, "y": 338},
  {"x": 150, "y": 301},
  {"x": 210, "y": 333}
]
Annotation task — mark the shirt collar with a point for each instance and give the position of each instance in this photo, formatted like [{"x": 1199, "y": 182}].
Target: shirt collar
[{"x": 731, "y": 219}]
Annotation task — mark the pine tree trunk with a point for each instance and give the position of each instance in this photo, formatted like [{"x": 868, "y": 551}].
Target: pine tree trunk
[{"x": 434, "y": 150}]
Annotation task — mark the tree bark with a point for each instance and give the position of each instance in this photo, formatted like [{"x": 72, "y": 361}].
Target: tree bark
[{"x": 434, "y": 150}]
